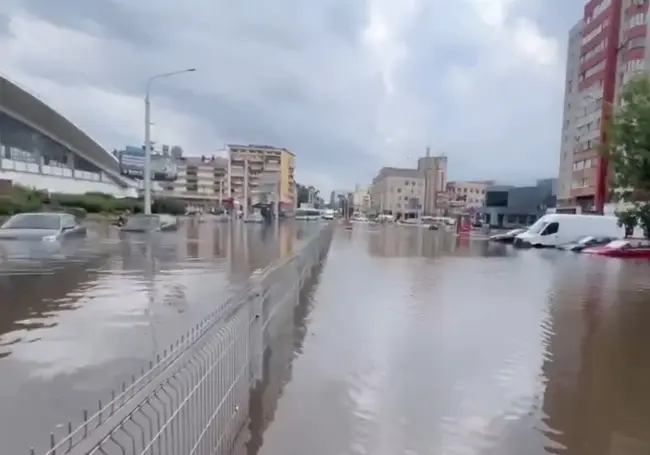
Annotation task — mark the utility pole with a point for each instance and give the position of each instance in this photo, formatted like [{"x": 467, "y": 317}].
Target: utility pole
[
  {"x": 245, "y": 206},
  {"x": 221, "y": 193},
  {"x": 278, "y": 189}
]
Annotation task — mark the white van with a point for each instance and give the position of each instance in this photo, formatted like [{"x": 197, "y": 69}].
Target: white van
[{"x": 556, "y": 229}]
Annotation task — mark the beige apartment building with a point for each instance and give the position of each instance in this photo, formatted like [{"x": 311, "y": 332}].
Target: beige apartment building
[
  {"x": 200, "y": 179},
  {"x": 411, "y": 192},
  {"x": 269, "y": 168},
  {"x": 398, "y": 190},
  {"x": 468, "y": 195}
]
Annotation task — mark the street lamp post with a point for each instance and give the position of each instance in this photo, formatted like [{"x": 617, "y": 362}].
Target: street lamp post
[{"x": 147, "y": 135}]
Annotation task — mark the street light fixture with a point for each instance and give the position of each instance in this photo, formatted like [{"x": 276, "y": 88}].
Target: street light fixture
[{"x": 147, "y": 134}]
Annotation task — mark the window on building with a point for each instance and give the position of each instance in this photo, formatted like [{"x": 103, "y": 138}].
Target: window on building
[
  {"x": 635, "y": 65},
  {"x": 18, "y": 140},
  {"x": 595, "y": 32},
  {"x": 635, "y": 42},
  {"x": 53, "y": 153},
  {"x": 82, "y": 164},
  {"x": 597, "y": 68},
  {"x": 637, "y": 19},
  {"x": 580, "y": 183}
]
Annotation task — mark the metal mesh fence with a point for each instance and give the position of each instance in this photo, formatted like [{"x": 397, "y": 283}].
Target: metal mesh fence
[{"x": 193, "y": 398}]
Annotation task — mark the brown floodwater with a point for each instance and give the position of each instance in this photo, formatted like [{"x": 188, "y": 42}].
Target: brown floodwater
[
  {"x": 412, "y": 342},
  {"x": 73, "y": 326}
]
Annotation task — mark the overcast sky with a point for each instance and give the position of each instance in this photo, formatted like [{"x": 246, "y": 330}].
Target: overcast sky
[{"x": 347, "y": 85}]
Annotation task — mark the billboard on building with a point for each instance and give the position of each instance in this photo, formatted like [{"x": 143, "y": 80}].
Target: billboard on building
[{"x": 163, "y": 168}]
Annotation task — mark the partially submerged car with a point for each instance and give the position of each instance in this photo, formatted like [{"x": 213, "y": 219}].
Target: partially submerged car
[
  {"x": 42, "y": 227},
  {"x": 624, "y": 249},
  {"x": 507, "y": 237},
  {"x": 40, "y": 236},
  {"x": 150, "y": 223},
  {"x": 587, "y": 241}
]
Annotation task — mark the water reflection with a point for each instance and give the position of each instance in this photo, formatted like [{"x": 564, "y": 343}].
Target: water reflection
[
  {"x": 597, "y": 395},
  {"x": 397, "y": 241},
  {"x": 280, "y": 350},
  {"x": 86, "y": 324},
  {"x": 531, "y": 352}
]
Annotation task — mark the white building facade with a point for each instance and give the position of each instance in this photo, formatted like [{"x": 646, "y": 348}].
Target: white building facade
[
  {"x": 361, "y": 198},
  {"x": 40, "y": 149}
]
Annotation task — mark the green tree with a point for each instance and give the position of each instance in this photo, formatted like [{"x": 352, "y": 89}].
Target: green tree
[
  {"x": 629, "y": 153},
  {"x": 304, "y": 191}
]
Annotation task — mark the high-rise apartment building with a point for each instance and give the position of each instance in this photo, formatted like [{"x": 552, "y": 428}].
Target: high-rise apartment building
[
  {"x": 574, "y": 110},
  {"x": 264, "y": 164},
  {"x": 613, "y": 46}
]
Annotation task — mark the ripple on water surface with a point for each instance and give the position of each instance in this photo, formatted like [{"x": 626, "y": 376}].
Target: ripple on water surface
[
  {"x": 74, "y": 326},
  {"x": 427, "y": 345}
]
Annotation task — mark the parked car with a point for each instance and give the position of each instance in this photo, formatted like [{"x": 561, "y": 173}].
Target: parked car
[
  {"x": 507, "y": 237},
  {"x": 40, "y": 236},
  {"x": 42, "y": 227},
  {"x": 150, "y": 223},
  {"x": 585, "y": 242},
  {"x": 625, "y": 249}
]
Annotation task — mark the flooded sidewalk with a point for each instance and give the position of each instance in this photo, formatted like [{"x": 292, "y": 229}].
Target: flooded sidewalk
[{"x": 414, "y": 343}]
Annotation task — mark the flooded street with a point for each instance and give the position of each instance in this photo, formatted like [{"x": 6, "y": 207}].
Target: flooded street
[
  {"x": 404, "y": 342},
  {"x": 74, "y": 328},
  {"x": 417, "y": 344}
]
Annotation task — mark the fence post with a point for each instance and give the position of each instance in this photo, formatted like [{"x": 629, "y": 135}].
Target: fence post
[{"x": 257, "y": 327}]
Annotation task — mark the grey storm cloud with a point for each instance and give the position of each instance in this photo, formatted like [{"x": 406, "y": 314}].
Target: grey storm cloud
[{"x": 348, "y": 86}]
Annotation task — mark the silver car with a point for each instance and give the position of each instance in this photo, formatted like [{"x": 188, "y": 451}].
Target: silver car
[{"x": 38, "y": 235}]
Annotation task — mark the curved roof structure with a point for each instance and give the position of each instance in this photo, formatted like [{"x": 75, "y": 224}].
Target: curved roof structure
[{"x": 28, "y": 109}]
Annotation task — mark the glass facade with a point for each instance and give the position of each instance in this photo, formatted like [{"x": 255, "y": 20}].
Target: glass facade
[{"x": 26, "y": 150}]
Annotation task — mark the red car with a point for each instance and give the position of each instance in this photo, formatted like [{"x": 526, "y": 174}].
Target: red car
[{"x": 621, "y": 249}]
